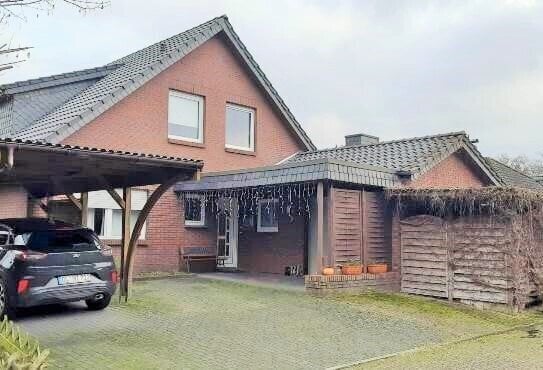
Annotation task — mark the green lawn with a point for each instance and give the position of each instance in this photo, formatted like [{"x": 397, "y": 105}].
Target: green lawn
[
  {"x": 518, "y": 349},
  {"x": 201, "y": 324},
  {"x": 454, "y": 321}
]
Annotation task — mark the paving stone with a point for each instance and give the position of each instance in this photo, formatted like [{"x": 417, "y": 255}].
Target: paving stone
[{"x": 198, "y": 323}]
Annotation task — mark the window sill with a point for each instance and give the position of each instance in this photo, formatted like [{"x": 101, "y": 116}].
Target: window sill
[
  {"x": 117, "y": 242},
  {"x": 185, "y": 142},
  {"x": 195, "y": 226},
  {"x": 239, "y": 151}
]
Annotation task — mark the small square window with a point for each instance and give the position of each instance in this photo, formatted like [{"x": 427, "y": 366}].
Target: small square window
[
  {"x": 268, "y": 218},
  {"x": 195, "y": 212},
  {"x": 240, "y": 127},
  {"x": 185, "y": 117}
]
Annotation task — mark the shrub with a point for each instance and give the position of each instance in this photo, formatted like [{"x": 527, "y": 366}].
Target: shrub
[{"x": 18, "y": 350}]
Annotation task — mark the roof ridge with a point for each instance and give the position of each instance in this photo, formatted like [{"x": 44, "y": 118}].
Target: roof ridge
[
  {"x": 141, "y": 66},
  {"x": 71, "y": 125},
  {"x": 416, "y": 138},
  {"x": 168, "y": 38},
  {"x": 281, "y": 102},
  {"x": 58, "y": 76}
]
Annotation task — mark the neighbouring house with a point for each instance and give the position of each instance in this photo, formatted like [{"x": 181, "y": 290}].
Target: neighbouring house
[{"x": 267, "y": 201}]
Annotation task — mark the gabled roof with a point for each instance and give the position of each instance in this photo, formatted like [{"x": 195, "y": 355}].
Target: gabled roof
[
  {"x": 514, "y": 178},
  {"x": 138, "y": 68},
  {"x": 415, "y": 155}
]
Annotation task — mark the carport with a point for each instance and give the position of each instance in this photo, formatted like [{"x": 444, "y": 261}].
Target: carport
[{"x": 45, "y": 170}]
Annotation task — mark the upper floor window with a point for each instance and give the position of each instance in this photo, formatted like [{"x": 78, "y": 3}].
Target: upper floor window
[
  {"x": 186, "y": 117},
  {"x": 240, "y": 127}
]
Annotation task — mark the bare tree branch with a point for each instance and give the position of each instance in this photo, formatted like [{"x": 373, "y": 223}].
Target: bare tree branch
[{"x": 18, "y": 9}]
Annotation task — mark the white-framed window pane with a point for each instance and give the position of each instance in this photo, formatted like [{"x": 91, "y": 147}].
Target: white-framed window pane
[
  {"x": 185, "y": 116},
  {"x": 117, "y": 223},
  {"x": 99, "y": 221},
  {"x": 194, "y": 211},
  {"x": 268, "y": 217},
  {"x": 239, "y": 127}
]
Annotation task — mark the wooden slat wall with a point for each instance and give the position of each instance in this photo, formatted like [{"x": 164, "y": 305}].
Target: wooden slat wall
[
  {"x": 378, "y": 228},
  {"x": 424, "y": 256},
  {"x": 346, "y": 235},
  {"x": 455, "y": 260},
  {"x": 480, "y": 271}
]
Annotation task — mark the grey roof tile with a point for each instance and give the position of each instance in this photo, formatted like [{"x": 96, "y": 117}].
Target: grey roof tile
[
  {"x": 512, "y": 177},
  {"x": 137, "y": 68},
  {"x": 414, "y": 155}
]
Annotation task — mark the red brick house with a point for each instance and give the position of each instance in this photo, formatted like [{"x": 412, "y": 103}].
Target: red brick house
[
  {"x": 199, "y": 94},
  {"x": 268, "y": 200}
]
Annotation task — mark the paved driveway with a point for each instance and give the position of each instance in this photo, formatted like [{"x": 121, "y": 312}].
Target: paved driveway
[{"x": 197, "y": 323}]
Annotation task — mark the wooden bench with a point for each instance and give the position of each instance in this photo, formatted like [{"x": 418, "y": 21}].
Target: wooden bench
[{"x": 201, "y": 255}]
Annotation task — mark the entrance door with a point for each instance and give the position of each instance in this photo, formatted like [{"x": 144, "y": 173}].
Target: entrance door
[{"x": 227, "y": 235}]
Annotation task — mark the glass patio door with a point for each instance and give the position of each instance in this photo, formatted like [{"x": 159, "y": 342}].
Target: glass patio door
[{"x": 227, "y": 236}]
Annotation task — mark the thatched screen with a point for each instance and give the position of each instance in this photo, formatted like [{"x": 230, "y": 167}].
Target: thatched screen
[{"x": 516, "y": 213}]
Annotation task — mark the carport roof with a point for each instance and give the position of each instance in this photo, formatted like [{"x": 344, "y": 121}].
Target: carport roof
[{"x": 45, "y": 169}]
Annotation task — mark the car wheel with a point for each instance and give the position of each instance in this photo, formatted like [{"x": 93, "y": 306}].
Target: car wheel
[
  {"x": 98, "y": 304},
  {"x": 5, "y": 310}
]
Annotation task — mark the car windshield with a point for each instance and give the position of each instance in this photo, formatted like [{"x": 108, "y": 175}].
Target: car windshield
[{"x": 51, "y": 241}]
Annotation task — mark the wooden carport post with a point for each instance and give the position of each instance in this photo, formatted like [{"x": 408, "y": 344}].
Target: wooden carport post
[
  {"x": 320, "y": 226},
  {"x": 125, "y": 203},
  {"x": 131, "y": 249},
  {"x": 82, "y": 204},
  {"x": 125, "y": 236}
]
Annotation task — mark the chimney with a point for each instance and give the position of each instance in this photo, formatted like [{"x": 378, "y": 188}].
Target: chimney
[{"x": 360, "y": 139}]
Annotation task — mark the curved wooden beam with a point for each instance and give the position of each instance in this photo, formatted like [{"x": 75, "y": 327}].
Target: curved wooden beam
[{"x": 132, "y": 245}]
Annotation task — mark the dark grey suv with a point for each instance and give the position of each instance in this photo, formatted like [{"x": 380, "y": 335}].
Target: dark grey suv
[{"x": 46, "y": 263}]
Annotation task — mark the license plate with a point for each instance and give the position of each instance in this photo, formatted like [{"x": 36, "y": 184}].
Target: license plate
[{"x": 74, "y": 279}]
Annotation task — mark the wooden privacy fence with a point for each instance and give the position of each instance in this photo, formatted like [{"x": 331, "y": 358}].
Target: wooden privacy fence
[
  {"x": 465, "y": 259},
  {"x": 360, "y": 227}
]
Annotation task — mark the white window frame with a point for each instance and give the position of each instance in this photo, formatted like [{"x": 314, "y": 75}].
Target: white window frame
[
  {"x": 266, "y": 229},
  {"x": 252, "y": 112},
  {"x": 202, "y": 221},
  {"x": 108, "y": 225},
  {"x": 200, "y": 100}
]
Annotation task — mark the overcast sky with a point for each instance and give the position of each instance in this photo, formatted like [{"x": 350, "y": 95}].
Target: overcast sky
[{"x": 387, "y": 68}]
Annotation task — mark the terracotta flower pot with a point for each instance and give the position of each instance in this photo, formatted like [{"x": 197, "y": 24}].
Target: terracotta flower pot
[
  {"x": 351, "y": 270},
  {"x": 377, "y": 268},
  {"x": 328, "y": 271}
]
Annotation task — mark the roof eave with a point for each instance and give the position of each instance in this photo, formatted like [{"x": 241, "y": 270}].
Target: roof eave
[{"x": 265, "y": 83}]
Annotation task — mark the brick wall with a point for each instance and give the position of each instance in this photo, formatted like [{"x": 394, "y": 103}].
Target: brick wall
[
  {"x": 272, "y": 252},
  {"x": 457, "y": 170},
  {"x": 34, "y": 208},
  {"x": 389, "y": 281},
  {"x": 139, "y": 123},
  {"x": 13, "y": 202}
]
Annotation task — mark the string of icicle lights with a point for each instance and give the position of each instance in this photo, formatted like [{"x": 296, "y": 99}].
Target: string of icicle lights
[{"x": 285, "y": 199}]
